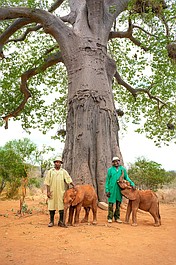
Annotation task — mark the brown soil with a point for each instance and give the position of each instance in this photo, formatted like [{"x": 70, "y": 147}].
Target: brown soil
[{"x": 27, "y": 239}]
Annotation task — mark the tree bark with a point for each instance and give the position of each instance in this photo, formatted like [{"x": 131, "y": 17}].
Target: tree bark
[{"x": 92, "y": 123}]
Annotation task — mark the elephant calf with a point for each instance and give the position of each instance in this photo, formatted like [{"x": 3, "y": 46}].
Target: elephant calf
[
  {"x": 77, "y": 197},
  {"x": 145, "y": 200}
]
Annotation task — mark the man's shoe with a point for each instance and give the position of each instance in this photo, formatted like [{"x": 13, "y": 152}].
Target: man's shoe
[
  {"x": 109, "y": 220},
  {"x": 118, "y": 221},
  {"x": 61, "y": 224},
  {"x": 50, "y": 224}
]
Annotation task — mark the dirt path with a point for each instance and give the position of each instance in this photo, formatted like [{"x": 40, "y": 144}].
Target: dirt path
[{"x": 27, "y": 240}]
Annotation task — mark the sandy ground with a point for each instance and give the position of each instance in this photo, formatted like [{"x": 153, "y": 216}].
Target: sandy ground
[{"x": 27, "y": 239}]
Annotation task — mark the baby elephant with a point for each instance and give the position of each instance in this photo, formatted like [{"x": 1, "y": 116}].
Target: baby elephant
[
  {"x": 145, "y": 200},
  {"x": 77, "y": 197}
]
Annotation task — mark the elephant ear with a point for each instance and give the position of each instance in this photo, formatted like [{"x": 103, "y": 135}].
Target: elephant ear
[
  {"x": 129, "y": 193},
  {"x": 79, "y": 196}
]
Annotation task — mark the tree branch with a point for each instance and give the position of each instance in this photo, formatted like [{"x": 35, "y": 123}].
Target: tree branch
[
  {"x": 19, "y": 23},
  {"x": 51, "y": 24},
  {"x": 37, "y": 27},
  {"x": 95, "y": 14},
  {"x": 120, "y": 81},
  {"x": 50, "y": 61},
  {"x": 112, "y": 9},
  {"x": 166, "y": 25},
  {"x": 28, "y": 30},
  {"x": 135, "y": 92},
  {"x": 70, "y": 18},
  {"x": 138, "y": 43},
  {"x": 36, "y": 15},
  {"x": 129, "y": 35},
  {"x": 145, "y": 31},
  {"x": 55, "y": 5}
]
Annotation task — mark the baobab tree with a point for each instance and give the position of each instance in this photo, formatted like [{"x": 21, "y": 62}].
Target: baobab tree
[{"x": 102, "y": 45}]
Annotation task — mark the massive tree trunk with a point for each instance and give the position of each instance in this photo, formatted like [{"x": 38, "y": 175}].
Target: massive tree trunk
[{"x": 92, "y": 123}]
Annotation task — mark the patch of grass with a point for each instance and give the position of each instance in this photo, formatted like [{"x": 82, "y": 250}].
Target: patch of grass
[{"x": 167, "y": 195}]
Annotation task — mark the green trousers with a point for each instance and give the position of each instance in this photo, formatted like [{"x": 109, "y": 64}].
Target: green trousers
[{"x": 112, "y": 213}]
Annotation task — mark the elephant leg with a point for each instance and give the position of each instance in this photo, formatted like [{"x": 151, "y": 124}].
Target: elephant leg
[
  {"x": 70, "y": 217},
  {"x": 78, "y": 209},
  {"x": 85, "y": 219},
  {"x": 135, "y": 207},
  {"x": 128, "y": 212},
  {"x": 94, "y": 211},
  {"x": 154, "y": 211}
]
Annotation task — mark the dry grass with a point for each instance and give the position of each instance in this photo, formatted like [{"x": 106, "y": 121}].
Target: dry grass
[{"x": 167, "y": 195}]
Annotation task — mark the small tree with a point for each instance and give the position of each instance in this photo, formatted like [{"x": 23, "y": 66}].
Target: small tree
[
  {"x": 148, "y": 174},
  {"x": 16, "y": 160},
  {"x": 11, "y": 169}
]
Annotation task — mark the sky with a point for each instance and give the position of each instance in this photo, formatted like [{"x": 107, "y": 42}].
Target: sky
[{"x": 132, "y": 145}]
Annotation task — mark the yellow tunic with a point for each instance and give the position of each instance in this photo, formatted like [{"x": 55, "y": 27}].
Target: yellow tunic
[{"x": 56, "y": 180}]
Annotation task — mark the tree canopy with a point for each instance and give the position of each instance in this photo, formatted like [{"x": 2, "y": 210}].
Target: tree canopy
[{"x": 141, "y": 41}]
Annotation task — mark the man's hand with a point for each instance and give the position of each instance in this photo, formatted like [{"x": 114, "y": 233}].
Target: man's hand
[
  {"x": 72, "y": 184},
  {"x": 49, "y": 195},
  {"x": 108, "y": 194},
  {"x": 133, "y": 187}
]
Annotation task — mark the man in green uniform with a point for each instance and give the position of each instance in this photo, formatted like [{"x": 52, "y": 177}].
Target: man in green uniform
[
  {"x": 55, "y": 181},
  {"x": 112, "y": 188}
]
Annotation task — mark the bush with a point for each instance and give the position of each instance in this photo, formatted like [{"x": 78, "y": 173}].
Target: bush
[{"x": 34, "y": 182}]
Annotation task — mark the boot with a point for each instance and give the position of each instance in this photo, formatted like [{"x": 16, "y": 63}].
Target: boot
[
  {"x": 61, "y": 218},
  {"x": 52, "y": 213}
]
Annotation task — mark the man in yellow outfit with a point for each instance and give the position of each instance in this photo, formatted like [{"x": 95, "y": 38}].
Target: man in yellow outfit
[{"x": 55, "y": 181}]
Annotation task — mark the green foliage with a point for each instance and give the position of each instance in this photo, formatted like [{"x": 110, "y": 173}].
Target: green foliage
[
  {"x": 152, "y": 70},
  {"x": 25, "y": 149},
  {"x": 172, "y": 183},
  {"x": 15, "y": 156},
  {"x": 20, "y": 159},
  {"x": 47, "y": 106},
  {"x": 43, "y": 4},
  {"x": 11, "y": 168},
  {"x": 112, "y": 9},
  {"x": 34, "y": 182},
  {"x": 149, "y": 174},
  {"x": 25, "y": 209}
]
